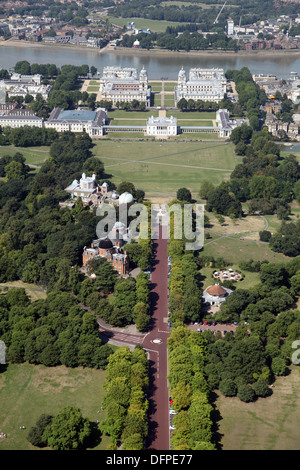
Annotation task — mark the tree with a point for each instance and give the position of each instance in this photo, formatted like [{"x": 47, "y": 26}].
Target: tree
[
  {"x": 228, "y": 388},
  {"x": 265, "y": 235},
  {"x": 35, "y": 434},
  {"x": 261, "y": 388},
  {"x": 69, "y": 430},
  {"x": 181, "y": 395},
  {"x": 278, "y": 366},
  {"x": 205, "y": 189},
  {"x": 246, "y": 393},
  {"x": 184, "y": 194},
  {"x": 273, "y": 275},
  {"x": 126, "y": 186},
  {"x": 106, "y": 275},
  {"x": 15, "y": 170},
  {"x": 182, "y": 104}
]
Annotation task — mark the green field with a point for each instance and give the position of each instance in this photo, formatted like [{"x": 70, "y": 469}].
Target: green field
[
  {"x": 120, "y": 114},
  {"x": 267, "y": 424},
  {"x": 192, "y": 114},
  {"x": 156, "y": 26},
  {"x": 34, "y": 155},
  {"x": 166, "y": 166},
  {"x": 191, "y": 122},
  {"x": 249, "y": 279},
  {"x": 128, "y": 122},
  {"x": 235, "y": 250},
  {"x": 27, "y": 391},
  {"x": 155, "y": 86},
  {"x": 93, "y": 89},
  {"x": 169, "y": 86}
]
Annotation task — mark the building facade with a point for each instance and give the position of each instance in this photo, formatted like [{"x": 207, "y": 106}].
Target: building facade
[
  {"x": 202, "y": 84},
  {"x": 91, "y": 122},
  {"x": 20, "y": 118},
  {"x": 109, "y": 249},
  {"x": 120, "y": 85},
  {"x": 162, "y": 126},
  {"x": 88, "y": 190}
]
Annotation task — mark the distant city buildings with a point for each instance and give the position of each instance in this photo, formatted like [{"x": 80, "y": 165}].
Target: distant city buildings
[
  {"x": 271, "y": 84},
  {"x": 120, "y": 85},
  {"x": 202, "y": 84}
]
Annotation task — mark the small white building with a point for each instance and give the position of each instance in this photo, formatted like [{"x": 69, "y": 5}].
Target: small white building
[
  {"x": 230, "y": 27},
  {"x": 216, "y": 294},
  {"x": 87, "y": 189},
  {"x": 162, "y": 126}
]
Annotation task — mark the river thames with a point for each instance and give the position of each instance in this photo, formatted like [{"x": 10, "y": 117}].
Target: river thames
[{"x": 158, "y": 65}]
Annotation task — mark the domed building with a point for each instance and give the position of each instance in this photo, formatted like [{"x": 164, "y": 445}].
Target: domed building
[
  {"x": 216, "y": 294},
  {"x": 126, "y": 198},
  {"x": 109, "y": 249}
]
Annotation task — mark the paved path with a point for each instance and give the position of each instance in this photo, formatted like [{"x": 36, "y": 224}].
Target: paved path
[{"x": 156, "y": 344}]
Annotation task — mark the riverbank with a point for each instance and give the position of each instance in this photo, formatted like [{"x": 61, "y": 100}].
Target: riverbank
[
  {"x": 258, "y": 53},
  {"x": 153, "y": 52}
]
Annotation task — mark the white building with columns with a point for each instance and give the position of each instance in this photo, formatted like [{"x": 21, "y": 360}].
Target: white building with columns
[
  {"x": 121, "y": 85},
  {"x": 162, "y": 126},
  {"x": 201, "y": 84}
]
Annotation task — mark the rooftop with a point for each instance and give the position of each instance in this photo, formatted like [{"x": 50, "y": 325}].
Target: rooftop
[{"x": 75, "y": 115}]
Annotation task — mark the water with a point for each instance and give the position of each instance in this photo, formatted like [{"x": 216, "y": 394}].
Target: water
[{"x": 157, "y": 66}]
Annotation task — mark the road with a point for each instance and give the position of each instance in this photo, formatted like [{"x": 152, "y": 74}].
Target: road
[{"x": 156, "y": 344}]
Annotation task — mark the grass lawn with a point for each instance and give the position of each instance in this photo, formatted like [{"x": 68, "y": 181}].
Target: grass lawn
[
  {"x": 156, "y": 26},
  {"x": 155, "y": 86},
  {"x": 190, "y": 122},
  {"x": 93, "y": 89},
  {"x": 29, "y": 390},
  {"x": 32, "y": 290},
  {"x": 34, "y": 155},
  {"x": 169, "y": 101},
  {"x": 237, "y": 241},
  {"x": 235, "y": 250},
  {"x": 156, "y": 99},
  {"x": 166, "y": 166},
  {"x": 121, "y": 114},
  {"x": 128, "y": 122},
  {"x": 192, "y": 114},
  {"x": 197, "y": 136},
  {"x": 271, "y": 423},
  {"x": 169, "y": 86},
  {"x": 249, "y": 279}
]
